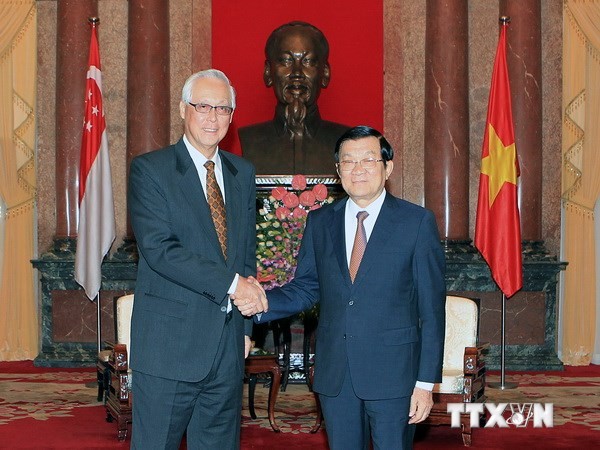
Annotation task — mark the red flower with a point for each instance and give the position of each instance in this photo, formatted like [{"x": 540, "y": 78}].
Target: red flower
[
  {"x": 320, "y": 191},
  {"x": 282, "y": 213},
  {"x": 299, "y": 182},
  {"x": 307, "y": 198},
  {"x": 298, "y": 213},
  {"x": 279, "y": 192},
  {"x": 265, "y": 278},
  {"x": 290, "y": 200}
]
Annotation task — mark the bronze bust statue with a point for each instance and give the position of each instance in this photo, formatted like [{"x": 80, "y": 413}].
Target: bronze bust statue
[{"x": 297, "y": 140}]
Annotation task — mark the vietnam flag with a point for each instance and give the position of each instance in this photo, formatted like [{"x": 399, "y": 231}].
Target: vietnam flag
[
  {"x": 96, "y": 229},
  {"x": 498, "y": 225}
]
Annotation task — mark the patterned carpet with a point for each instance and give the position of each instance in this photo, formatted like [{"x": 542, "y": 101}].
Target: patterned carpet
[
  {"x": 295, "y": 409},
  {"x": 42, "y": 396},
  {"x": 65, "y": 400},
  {"x": 576, "y": 400}
]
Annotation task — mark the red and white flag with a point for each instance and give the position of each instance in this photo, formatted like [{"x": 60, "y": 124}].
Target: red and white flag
[
  {"x": 96, "y": 230},
  {"x": 498, "y": 225}
]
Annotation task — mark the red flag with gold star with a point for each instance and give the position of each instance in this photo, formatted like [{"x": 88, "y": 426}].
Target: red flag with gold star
[{"x": 498, "y": 225}]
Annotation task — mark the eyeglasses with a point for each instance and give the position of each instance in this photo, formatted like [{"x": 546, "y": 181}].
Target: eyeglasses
[
  {"x": 204, "y": 108},
  {"x": 348, "y": 165}
]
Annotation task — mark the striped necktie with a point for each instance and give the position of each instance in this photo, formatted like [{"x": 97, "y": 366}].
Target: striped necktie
[{"x": 360, "y": 243}]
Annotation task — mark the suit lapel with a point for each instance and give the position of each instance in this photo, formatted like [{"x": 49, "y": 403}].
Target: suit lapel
[
  {"x": 338, "y": 237},
  {"x": 232, "y": 206}
]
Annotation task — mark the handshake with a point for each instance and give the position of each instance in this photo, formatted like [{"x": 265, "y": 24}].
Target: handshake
[{"x": 250, "y": 297}]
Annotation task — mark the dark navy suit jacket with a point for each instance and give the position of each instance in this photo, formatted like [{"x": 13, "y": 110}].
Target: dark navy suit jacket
[
  {"x": 387, "y": 327},
  {"x": 181, "y": 289}
]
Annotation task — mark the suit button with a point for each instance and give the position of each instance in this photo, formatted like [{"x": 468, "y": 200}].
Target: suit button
[
  {"x": 351, "y": 302},
  {"x": 344, "y": 336},
  {"x": 223, "y": 308}
]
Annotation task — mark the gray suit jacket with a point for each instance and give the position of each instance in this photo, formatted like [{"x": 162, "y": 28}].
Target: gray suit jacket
[
  {"x": 181, "y": 289},
  {"x": 388, "y": 326}
]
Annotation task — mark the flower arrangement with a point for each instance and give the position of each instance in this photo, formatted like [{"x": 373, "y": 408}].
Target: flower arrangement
[{"x": 279, "y": 227}]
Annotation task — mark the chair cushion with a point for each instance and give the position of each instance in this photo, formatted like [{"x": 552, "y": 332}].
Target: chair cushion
[
  {"x": 461, "y": 331},
  {"x": 124, "y": 311},
  {"x": 453, "y": 382}
]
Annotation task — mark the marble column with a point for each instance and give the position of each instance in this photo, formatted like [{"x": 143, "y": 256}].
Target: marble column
[
  {"x": 524, "y": 60},
  {"x": 447, "y": 117},
  {"x": 72, "y": 48},
  {"x": 148, "y": 81},
  {"x": 201, "y": 35}
]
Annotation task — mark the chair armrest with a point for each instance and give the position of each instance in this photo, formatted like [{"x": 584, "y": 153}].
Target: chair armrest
[
  {"x": 474, "y": 360},
  {"x": 474, "y": 374},
  {"x": 119, "y": 383},
  {"x": 118, "y": 360}
]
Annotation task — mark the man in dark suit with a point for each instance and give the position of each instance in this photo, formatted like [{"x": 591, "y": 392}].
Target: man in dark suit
[
  {"x": 192, "y": 208},
  {"x": 379, "y": 278},
  {"x": 297, "y": 139}
]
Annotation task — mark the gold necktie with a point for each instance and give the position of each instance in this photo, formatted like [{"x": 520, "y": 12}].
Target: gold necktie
[
  {"x": 360, "y": 243},
  {"x": 217, "y": 205}
]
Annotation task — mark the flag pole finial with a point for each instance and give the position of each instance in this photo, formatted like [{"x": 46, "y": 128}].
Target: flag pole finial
[
  {"x": 504, "y": 20},
  {"x": 94, "y": 21}
]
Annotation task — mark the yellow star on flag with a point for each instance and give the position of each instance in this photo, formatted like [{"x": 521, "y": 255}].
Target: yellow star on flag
[{"x": 499, "y": 165}]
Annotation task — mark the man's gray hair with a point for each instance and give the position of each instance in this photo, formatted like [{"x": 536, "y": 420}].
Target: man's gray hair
[{"x": 186, "y": 92}]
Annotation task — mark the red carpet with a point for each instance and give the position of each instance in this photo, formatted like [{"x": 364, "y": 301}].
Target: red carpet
[{"x": 43, "y": 408}]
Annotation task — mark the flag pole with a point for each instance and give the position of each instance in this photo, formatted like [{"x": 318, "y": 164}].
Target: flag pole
[
  {"x": 98, "y": 322},
  {"x": 503, "y": 384}
]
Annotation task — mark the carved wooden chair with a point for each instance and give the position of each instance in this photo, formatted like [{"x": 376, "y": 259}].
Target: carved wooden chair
[
  {"x": 463, "y": 374},
  {"x": 117, "y": 376}
]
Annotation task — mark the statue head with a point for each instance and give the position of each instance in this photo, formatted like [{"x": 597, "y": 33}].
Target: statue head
[{"x": 297, "y": 68}]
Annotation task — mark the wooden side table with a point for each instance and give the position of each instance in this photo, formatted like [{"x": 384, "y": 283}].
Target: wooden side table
[{"x": 264, "y": 364}]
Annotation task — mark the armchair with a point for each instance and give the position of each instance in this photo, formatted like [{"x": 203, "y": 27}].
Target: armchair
[
  {"x": 463, "y": 373},
  {"x": 117, "y": 376}
]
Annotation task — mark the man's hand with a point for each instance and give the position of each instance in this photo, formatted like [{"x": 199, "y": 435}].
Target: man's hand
[
  {"x": 250, "y": 297},
  {"x": 247, "y": 346},
  {"x": 421, "y": 403}
]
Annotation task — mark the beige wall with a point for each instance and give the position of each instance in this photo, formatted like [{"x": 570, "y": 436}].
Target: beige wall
[{"x": 404, "y": 83}]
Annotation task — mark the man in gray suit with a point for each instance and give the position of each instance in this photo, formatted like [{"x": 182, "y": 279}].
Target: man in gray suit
[
  {"x": 376, "y": 265},
  {"x": 192, "y": 208}
]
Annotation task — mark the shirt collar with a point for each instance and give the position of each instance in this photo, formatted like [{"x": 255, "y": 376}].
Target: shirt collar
[
  {"x": 373, "y": 208},
  {"x": 198, "y": 158}
]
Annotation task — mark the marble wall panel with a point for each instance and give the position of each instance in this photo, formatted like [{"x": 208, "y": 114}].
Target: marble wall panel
[{"x": 74, "y": 316}]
